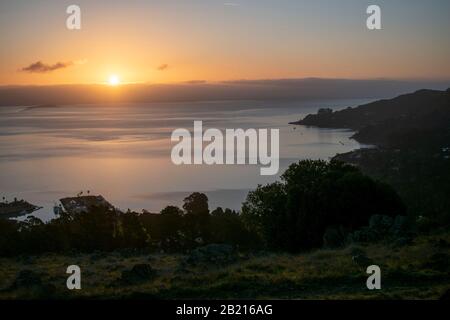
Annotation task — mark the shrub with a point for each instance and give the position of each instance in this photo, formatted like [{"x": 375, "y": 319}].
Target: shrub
[{"x": 313, "y": 195}]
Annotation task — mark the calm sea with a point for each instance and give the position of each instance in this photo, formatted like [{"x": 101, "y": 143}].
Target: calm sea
[{"x": 122, "y": 151}]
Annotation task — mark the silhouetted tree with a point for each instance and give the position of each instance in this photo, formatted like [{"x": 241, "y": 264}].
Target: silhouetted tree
[
  {"x": 10, "y": 243},
  {"x": 314, "y": 195},
  {"x": 217, "y": 212},
  {"x": 133, "y": 233},
  {"x": 196, "y": 204},
  {"x": 264, "y": 214},
  {"x": 172, "y": 210},
  {"x": 196, "y": 218}
]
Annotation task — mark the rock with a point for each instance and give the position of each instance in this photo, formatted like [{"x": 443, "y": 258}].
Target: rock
[
  {"x": 139, "y": 273},
  {"x": 212, "y": 253}
]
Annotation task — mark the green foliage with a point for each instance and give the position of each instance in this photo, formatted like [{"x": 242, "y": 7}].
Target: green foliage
[
  {"x": 263, "y": 213},
  {"x": 397, "y": 230},
  {"x": 98, "y": 229},
  {"x": 9, "y": 237},
  {"x": 314, "y": 195},
  {"x": 177, "y": 231},
  {"x": 289, "y": 215},
  {"x": 172, "y": 210},
  {"x": 196, "y": 204},
  {"x": 416, "y": 271}
]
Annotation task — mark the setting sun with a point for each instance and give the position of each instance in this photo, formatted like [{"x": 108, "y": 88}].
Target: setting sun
[{"x": 114, "y": 80}]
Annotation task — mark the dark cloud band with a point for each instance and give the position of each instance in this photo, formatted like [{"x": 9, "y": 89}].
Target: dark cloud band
[{"x": 39, "y": 67}]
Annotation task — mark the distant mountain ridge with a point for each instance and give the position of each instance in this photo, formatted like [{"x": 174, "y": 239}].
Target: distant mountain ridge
[
  {"x": 272, "y": 89},
  {"x": 412, "y": 135},
  {"x": 392, "y": 122}
]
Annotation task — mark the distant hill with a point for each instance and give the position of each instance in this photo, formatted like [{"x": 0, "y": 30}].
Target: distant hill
[
  {"x": 412, "y": 133},
  {"x": 417, "y": 117}
]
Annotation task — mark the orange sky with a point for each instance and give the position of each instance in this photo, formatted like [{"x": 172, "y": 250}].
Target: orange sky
[{"x": 207, "y": 40}]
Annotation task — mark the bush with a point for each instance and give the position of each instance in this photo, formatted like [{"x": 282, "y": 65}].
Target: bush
[
  {"x": 213, "y": 253},
  {"x": 139, "y": 273},
  {"x": 399, "y": 230},
  {"x": 314, "y": 195},
  {"x": 334, "y": 237}
]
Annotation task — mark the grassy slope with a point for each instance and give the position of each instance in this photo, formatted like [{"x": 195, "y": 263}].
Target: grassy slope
[{"x": 323, "y": 274}]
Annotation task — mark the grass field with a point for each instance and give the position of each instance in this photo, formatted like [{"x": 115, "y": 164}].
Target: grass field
[{"x": 417, "y": 271}]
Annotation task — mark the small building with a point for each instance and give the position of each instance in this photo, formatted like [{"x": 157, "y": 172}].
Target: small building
[
  {"x": 16, "y": 208},
  {"x": 84, "y": 203}
]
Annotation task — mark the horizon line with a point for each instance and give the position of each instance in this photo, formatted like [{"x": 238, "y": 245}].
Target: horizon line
[{"x": 232, "y": 81}]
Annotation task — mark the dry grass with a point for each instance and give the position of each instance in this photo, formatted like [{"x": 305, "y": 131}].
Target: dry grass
[{"x": 322, "y": 274}]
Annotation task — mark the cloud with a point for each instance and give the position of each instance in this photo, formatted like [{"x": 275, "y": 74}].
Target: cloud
[
  {"x": 163, "y": 67},
  {"x": 40, "y": 67},
  {"x": 195, "y": 82}
]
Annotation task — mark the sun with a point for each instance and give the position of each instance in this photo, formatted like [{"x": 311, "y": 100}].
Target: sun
[{"x": 114, "y": 80}]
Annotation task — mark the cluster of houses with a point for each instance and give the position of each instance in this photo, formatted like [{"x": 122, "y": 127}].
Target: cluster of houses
[
  {"x": 16, "y": 208},
  {"x": 79, "y": 204}
]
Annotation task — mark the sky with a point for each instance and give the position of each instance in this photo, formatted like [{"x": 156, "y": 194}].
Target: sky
[{"x": 147, "y": 41}]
